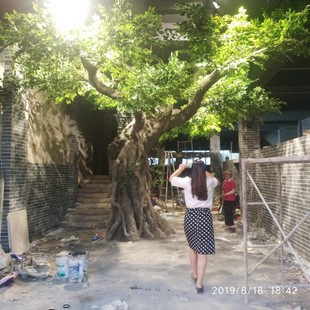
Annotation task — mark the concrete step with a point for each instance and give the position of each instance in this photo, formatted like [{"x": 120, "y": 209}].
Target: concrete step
[
  {"x": 101, "y": 211},
  {"x": 79, "y": 218},
  {"x": 89, "y": 206},
  {"x": 97, "y": 184},
  {"x": 96, "y": 188},
  {"x": 93, "y": 206},
  {"x": 83, "y": 225},
  {"x": 91, "y": 200},
  {"x": 100, "y": 195},
  {"x": 98, "y": 179}
]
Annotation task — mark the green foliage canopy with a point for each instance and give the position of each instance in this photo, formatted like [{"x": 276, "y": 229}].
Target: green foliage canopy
[{"x": 124, "y": 51}]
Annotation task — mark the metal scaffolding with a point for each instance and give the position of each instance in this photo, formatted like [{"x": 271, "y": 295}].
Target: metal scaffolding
[{"x": 285, "y": 238}]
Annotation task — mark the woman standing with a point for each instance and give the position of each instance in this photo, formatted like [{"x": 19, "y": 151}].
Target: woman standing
[
  {"x": 229, "y": 199},
  {"x": 198, "y": 225}
]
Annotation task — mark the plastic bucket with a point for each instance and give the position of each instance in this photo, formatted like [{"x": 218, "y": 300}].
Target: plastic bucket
[
  {"x": 62, "y": 267},
  {"x": 78, "y": 266}
]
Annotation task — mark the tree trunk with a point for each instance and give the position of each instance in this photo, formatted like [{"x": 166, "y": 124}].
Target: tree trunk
[{"x": 133, "y": 215}]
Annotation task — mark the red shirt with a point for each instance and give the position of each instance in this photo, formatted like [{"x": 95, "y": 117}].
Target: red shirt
[{"x": 227, "y": 186}]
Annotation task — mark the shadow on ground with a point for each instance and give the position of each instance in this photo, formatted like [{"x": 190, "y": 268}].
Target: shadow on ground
[{"x": 155, "y": 275}]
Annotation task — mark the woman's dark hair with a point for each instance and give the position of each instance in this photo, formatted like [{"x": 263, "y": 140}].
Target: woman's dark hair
[{"x": 198, "y": 180}]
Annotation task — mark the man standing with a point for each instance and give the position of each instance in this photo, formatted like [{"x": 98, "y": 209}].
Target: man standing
[{"x": 229, "y": 199}]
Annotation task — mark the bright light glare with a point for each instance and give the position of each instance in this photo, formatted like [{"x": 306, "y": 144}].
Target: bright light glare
[
  {"x": 216, "y": 5},
  {"x": 68, "y": 14}
]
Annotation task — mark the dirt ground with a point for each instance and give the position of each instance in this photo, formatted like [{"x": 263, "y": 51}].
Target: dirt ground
[{"x": 155, "y": 275}]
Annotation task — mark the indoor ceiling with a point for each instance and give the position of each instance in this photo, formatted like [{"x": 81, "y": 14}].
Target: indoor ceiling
[{"x": 288, "y": 81}]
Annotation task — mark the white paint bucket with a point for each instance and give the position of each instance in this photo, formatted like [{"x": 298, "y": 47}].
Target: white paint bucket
[
  {"x": 62, "y": 267},
  {"x": 78, "y": 266}
]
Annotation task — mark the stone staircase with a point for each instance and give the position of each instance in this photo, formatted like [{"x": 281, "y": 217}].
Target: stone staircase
[{"x": 92, "y": 209}]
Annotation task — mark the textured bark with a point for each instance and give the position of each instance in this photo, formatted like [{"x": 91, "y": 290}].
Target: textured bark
[{"x": 133, "y": 214}]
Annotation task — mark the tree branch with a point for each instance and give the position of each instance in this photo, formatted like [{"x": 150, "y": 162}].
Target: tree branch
[
  {"x": 195, "y": 103},
  {"x": 171, "y": 118},
  {"x": 232, "y": 65},
  {"x": 94, "y": 81}
]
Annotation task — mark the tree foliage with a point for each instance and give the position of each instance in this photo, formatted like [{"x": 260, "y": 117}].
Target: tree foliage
[
  {"x": 121, "y": 51},
  {"x": 116, "y": 60}
]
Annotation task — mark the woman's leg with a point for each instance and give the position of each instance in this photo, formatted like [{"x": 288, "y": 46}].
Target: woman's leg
[
  {"x": 201, "y": 269},
  {"x": 193, "y": 257}
]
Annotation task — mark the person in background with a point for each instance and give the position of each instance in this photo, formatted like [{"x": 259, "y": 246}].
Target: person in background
[
  {"x": 229, "y": 199},
  {"x": 198, "y": 225}
]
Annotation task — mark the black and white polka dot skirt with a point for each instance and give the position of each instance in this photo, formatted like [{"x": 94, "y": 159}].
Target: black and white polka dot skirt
[{"x": 198, "y": 228}]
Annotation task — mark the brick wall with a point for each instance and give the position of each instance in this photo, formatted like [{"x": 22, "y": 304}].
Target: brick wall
[
  {"x": 47, "y": 197},
  {"x": 249, "y": 137},
  {"x": 249, "y": 141},
  {"x": 75, "y": 156},
  {"x": 285, "y": 187},
  {"x": 38, "y": 161},
  {"x": 13, "y": 155},
  {"x": 45, "y": 190}
]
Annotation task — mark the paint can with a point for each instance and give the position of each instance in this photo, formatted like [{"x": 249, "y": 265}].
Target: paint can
[
  {"x": 78, "y": 266},
  {"x": 62, "y": 267}
]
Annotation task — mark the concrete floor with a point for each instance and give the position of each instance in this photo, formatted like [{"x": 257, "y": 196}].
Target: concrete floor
[{"x": 155, "y": 275}]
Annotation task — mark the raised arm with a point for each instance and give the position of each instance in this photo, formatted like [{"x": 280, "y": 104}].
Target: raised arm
[{"x": 176, "y": 173}]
